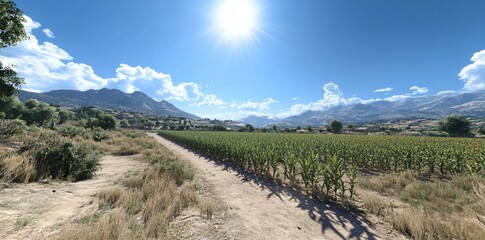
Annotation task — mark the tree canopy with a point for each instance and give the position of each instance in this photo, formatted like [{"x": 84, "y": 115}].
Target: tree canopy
[
  {"x": 11, "y": 33},
  {"x": 455, "y": 125},
  {"x": 336, "y": 126}
]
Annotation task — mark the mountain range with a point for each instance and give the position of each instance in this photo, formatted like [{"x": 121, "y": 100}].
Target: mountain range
[
  {"x": 108, "y": 99},
  {"x": 433, "y": 106}
]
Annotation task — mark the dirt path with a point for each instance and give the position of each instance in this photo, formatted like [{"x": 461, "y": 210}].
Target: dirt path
[
  {"x": 266, "y": 211},
  {"x": 37, "y": 210}
]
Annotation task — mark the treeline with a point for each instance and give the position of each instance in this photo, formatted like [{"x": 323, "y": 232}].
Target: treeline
[{"x": 41, "y": 114}]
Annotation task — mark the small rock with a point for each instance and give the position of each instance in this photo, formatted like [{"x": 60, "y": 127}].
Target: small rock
[
  {"x": 53, "y": 190},
  {"x": 299, "y": 228}
]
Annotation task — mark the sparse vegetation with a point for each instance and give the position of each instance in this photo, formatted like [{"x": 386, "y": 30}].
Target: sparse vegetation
[
  {"x": 432, "y": 208},
  {"x": 147, "y": 201}
]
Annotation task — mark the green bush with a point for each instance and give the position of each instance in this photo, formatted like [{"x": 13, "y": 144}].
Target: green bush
[
  {"x": 73, "y": 131},
  {"x": 59, "y": 158},
  {"x": 99, "y": 134},
  {"x": 68, "y": 161}
]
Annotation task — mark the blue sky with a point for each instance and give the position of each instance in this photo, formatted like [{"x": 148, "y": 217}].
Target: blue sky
[{"x": 296, "y": 55}]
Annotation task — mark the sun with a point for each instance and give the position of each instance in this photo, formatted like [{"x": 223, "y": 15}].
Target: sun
[{"x": 237, "y": 20}]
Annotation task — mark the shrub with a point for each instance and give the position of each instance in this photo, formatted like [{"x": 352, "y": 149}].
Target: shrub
[
  {"x": 61, "y": 158},
  {"x": 73, "y": 131},
  {"x": 8, "y": 128},
  {"x": 99, "y": 134},
  {"x": 68, "y": 161}
]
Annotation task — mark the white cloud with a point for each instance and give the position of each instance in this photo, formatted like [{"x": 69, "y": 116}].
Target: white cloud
[
  {"x": 418, "y": 90},
  {"x": 260, "y": 106},
  {"x": 31, "y": 90},
  {"x": 30, "y": 24},
  {"x": 295, "y": 98},
  {"x": 446, "y": 92},
  {"x": 474, "y": 74},
  {"x": 387, "y": 89},
  {"x": 210, "y": 100},
  {"x": 48, "y": 33},
  {"x": 396, "y": 98},
  {"x": 45, "y": 67},
  {"x": 238, "y": 115},
  {"x": 153, "y": 83},
  {"x": 332, "y": 96}
]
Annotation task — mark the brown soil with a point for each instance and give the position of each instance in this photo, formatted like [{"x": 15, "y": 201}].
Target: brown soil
[
  {"x": 38, "y": 210},
  {"x": 249, "y": 207}
]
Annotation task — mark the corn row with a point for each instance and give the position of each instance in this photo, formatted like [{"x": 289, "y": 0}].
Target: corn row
[{"x": 320, "y": 162}]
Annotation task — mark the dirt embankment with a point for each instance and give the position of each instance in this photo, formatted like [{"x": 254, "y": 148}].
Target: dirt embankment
[{"x": 38, "y": 210}]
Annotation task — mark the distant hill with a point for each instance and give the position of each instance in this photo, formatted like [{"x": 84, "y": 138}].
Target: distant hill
[
  {"x": 435, "y": 106},
  {"x": 108, "y": 99}
]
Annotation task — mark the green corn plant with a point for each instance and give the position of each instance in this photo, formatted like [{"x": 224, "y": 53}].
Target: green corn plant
[
  {"x": 352, "y": 173},
  {"x": 336, "y": 171},
  {"x": 326, "y": 185},
  {"x": 290, "y": 167}
]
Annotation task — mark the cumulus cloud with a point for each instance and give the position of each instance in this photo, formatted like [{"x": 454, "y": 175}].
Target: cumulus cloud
[
  {"x": 30, "y": 24},
  {"x": 474, "y": 74},
  {"x": 332, "y": 96},
  {"x": 295, "y": 98},
  {"x": 387, "y": 89},
  {"x": 250, "y": 105},
  {"x": 418, "y": 90},
  {"x": 45, "y": 67},
  {"x": 210, "y": 100},
  {"x": 48, "y": 33},
  {"x": 153, "y": 83}
]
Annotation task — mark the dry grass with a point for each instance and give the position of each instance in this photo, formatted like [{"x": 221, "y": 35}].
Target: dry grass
[
  {"x": 438, "y": 209},
  {"x": 124, "y": 143},
  {"x": 113, "y": 225},
  {"x": 147, "y": 201},
  {"x": 17, "y": 168},
  {"x": 206, "y": 207},
  {"x": 375, "y": 205}
]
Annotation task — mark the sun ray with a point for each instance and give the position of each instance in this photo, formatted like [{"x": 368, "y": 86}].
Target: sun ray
[{"x": 237, "y": 21}]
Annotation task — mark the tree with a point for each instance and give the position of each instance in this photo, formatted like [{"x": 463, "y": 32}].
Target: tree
[
  {"x": 481, "y": 130},
  {"x": 336, "y": 126},
  {"x": 107, "y": 121},
  {"x": 44, "y": 113},
  {"x": 11, "y": 33},
  {"x": 65, "y": 115},
  {"x": 455, "y": 125}
]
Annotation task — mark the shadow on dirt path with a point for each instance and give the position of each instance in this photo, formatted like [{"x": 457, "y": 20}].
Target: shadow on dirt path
[{"x": 270, "y": 211}]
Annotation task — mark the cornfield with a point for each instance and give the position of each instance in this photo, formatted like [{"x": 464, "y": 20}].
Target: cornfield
[{"x": 330, "y": 163}]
